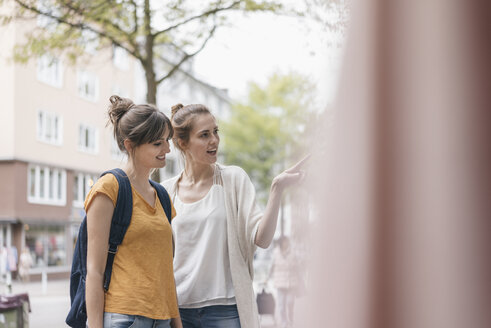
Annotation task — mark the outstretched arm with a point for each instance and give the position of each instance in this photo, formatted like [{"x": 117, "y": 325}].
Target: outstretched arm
[{"x": 267, "y": 225}]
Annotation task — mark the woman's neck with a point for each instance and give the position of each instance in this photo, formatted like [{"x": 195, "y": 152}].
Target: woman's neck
[
  {"x": 137, "y": 176},
  {"x": 195, "y": 172}
]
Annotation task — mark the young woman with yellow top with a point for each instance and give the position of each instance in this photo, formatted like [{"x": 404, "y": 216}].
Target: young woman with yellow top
[{"x": 142, "y": 292}]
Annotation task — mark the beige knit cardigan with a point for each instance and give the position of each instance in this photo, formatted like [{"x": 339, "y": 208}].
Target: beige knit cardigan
[{"x": 243, "y": 216}]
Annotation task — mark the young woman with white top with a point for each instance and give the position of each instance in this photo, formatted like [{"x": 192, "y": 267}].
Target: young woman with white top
[{"x": 217, "y": 227}]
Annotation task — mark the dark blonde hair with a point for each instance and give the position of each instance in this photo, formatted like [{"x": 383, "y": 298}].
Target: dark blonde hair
[
  {"x": 140, "y": 124},
  {"x": 183, "y": 118}
]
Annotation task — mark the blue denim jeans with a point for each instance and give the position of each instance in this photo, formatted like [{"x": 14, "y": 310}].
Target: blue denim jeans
[
  {"x": 117, "y": 320},
  {"x": 215, "y": 316}
]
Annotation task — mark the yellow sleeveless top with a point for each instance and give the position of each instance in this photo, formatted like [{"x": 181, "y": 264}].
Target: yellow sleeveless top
[{"x": 142, "y": 281}]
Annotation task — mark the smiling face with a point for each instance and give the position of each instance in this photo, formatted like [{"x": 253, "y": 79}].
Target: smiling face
[
  {"x": 152, "y": 155},
  {"x": 202, "y": 146}
]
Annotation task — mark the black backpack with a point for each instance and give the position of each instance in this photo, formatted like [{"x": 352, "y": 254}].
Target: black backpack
[{"x": 77, "y": 317}]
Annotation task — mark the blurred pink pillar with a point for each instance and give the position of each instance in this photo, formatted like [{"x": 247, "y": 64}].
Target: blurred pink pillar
[{"x": 403, "y": 192}]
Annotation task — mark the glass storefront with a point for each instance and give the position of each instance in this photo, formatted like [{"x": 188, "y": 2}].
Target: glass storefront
[{"x": 47, "y": 245}]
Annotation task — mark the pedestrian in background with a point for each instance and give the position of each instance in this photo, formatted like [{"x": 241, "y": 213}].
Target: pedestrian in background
[
  {"x": 25, "y": 263},
  {"x": 286, "y": 281},
  {"x": 142, "y": 291},
  {"x": 217, "y": 227}
]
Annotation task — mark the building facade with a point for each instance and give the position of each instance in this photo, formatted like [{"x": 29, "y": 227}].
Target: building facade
[{"x": 55, "y": 144}]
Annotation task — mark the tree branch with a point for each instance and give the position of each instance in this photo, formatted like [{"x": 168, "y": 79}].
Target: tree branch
[
  {"x": 104, "y": 22},
  {"x": 81, "y": 26},
  {"x": 187, "y": 56},
  {"x": 135, "y": 16},
  {"x": 205, "y": 14}
]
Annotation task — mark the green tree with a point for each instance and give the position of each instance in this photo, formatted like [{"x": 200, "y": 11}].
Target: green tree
[
  {"x": 150, "y": 31},
  {"x": 268, "y": 131}
]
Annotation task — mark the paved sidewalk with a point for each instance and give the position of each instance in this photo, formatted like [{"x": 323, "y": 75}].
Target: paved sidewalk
[
  {"x": 36, "y": 289},
  {"x": 50, "y": 303}
]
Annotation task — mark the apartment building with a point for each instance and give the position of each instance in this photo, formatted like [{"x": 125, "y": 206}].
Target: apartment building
[{"x": 55, "y": 144}]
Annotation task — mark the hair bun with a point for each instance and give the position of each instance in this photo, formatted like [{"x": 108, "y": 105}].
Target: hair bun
[
  {"x": 175, "y": 108},
  {"x": 119, "y": 106}
]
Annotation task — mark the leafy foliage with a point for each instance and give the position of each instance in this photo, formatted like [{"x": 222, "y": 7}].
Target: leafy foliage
[{"x": 267, "y": 132}]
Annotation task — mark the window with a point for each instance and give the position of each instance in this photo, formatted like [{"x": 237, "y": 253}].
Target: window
[
  {"x": 49, "y": 127},
  {"x": 116, "y": 153},
  {"x": 32, "y": 182},
  {"x": 87, "y": 139},
  {"x": 88, "y": 85},
  {"x": 47, "y": 245},
  {"x": 219, "y": 108},
  {"x": 120, "y": 58},
  {"x": 46, "y": 186},
  {"x": 50, "y": 71},
  {"x": 82, "y": 185}
]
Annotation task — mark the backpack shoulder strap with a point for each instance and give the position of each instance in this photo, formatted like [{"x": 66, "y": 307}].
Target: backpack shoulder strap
[
  {"x": 164, "y": 199},
  {"x": 120, "y": 221}
]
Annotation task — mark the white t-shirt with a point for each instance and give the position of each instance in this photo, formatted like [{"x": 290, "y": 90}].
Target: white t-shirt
[{"x": 201, "y": 261}]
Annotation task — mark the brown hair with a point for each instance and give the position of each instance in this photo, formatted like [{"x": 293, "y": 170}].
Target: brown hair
[
  {"x": 140, "y": 124},
  {"x": 182, "y": 120}
]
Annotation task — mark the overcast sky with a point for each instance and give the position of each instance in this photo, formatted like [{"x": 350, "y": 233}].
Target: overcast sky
[{"x": 264, "y": 43}]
